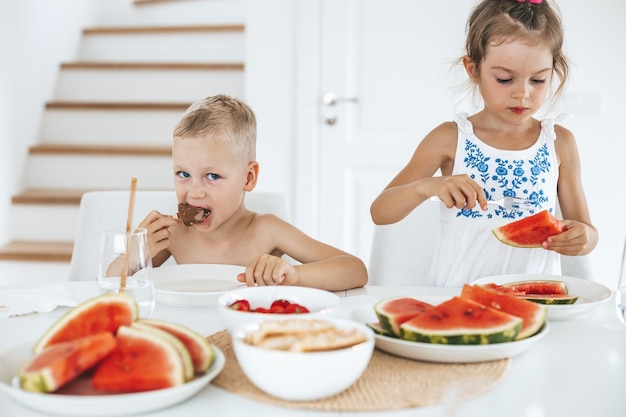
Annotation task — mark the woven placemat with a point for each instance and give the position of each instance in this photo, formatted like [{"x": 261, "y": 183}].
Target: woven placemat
[{"x": 388, "y": 383}]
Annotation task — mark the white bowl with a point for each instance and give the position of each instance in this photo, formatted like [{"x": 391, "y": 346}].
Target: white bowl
[
  {"x": 320, "y": 303},
  {"x": 303, "y": 376}
]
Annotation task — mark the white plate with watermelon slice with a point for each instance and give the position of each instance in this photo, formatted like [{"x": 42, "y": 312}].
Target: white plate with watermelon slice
[
  {"x": 590, "y": 294},
  {"x": 84, "y": 401},
  {"x": 432, "y": 352}
]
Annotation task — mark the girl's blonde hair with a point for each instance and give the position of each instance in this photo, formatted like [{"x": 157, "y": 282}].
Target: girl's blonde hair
[
  {"x": 222, "y": 118},
  {"x": 493, "y": 22}
]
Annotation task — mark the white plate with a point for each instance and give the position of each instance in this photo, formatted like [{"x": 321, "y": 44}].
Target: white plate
[
  {"x": 590, "y": 294},
  {"x": 432, "y": 352},
  {"x": 101, "y": 404},
  {"x": 194, "y": 285}
]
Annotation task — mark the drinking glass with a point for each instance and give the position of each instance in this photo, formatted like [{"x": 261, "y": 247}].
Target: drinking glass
[
  {"x": 621, "y": 288},
  {"x": 139, "y": 279}
]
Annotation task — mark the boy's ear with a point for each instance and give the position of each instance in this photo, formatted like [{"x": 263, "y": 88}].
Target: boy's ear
[
  {"x": 252, "y": 176},
  {"x": 470, "y": 68}
]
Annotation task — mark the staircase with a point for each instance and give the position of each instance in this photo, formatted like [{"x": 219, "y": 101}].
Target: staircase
[{"x": 113, "y": 112}]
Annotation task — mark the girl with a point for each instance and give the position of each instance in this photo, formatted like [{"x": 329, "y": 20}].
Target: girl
[{"x": 514, "y": 53}]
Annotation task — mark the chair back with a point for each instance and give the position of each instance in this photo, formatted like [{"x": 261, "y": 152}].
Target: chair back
[
  {"x": 402, "y": 252},
  {"x": 101, "y": 210}
]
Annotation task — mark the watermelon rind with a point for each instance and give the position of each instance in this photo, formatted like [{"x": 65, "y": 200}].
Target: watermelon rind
[
  {"x": 533, "y": 315},
  {"x": 201, "y": 351},
  {"x": 529, "y": 232},
  {"x": 379, "y": 329},
  {"x": 462, "y": 322},
  {"x": 549, "y": 299},
  {"x": 145, "y": 359},
  {"x": 60, "y": 363},
  {"x": 394, "y": 311},
  {"x": 104, "y": 313}
]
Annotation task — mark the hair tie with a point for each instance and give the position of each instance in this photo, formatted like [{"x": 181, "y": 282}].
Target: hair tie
[{"x": 530, "y": 1}]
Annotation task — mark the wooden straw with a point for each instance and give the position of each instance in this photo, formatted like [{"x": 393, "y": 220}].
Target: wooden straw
[{"x": 129, "y": 222}]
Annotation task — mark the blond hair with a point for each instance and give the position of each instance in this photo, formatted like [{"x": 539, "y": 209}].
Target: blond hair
[
  {"x": 221, "y": 118},
  {"x": 493, "y": 22}
]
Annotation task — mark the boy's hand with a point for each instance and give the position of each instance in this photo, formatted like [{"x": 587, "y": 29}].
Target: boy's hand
[
  {"x": 269, "y": 270},
  {"x": 158, "y": 225},
  {"x": 572, "y": 241}
]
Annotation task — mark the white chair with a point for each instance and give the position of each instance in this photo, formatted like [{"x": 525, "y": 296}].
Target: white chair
[
  {"x": 100, "y": 210},
  {"x": 402, "y": 252}
]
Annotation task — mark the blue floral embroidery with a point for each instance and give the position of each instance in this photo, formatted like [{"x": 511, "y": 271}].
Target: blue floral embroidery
[
  {"x": 509, "y": 178},
  {"x": 476, "y": 159}
]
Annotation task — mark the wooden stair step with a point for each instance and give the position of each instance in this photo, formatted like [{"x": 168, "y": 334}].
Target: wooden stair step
[
  {"x": 49, "y": 196},
  {"x": 170, "y": 66},
  {"x": 33, "y": 251},
  {"x": 117, "y": 150},
  {"x": 91, "y": 105},
  {"x": 117, "y": 30}
]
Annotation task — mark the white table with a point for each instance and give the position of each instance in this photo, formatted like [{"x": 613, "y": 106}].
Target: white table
[{"x": 577, "y": 369}]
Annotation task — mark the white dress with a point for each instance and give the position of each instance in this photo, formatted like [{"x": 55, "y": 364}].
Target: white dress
[{"x": 468, "y": 248}]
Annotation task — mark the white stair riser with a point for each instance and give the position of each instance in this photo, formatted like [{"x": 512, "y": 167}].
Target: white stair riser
[
  {"x": 174, "y": 47},
  {"x": 122, "y": 127},
  {"x": 124, "y": 13},
  {"x": 55, "y": 223},
  {"x": 95, "y": 172},
  {"x": 147, "y": 85}
]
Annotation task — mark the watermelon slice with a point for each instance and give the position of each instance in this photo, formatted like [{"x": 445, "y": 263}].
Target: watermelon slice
[
  {"x": 538, "y": 291},
  {"x": 392, "y": 312},
  {"x": 529, "y": 232},
  {"x": 201, "y": 351},
  {"x": 537, "y": 287},
  {"x": 60, "y": 363},
  {"x": 104, "y": 313},
  {"x": 145, "y": 359},
  {"x": 462, "y": 322},
  {"x": 183, "y": 352},
  {"x": 532, "y": 314}
]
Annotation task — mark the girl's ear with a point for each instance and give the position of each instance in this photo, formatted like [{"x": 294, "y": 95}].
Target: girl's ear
[
  {"x": 252, "y": 176},
  {"x": 470, "y": 68}
]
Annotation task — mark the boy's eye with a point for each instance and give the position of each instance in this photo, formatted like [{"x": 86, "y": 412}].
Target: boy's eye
[
  {"x": 182, "y": 174},
  {"x": 212, "y": 177}
]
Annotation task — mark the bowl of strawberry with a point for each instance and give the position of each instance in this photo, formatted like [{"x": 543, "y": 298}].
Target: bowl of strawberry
[{"x": 256, "y": 304}]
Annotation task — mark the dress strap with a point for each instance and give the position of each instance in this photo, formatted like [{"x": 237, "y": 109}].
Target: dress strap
[
  {"x": 462, "y": 121},
  {"x": 547, "y": 125}
]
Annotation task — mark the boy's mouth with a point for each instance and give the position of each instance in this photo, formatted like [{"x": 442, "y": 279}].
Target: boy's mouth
[{"x": 191, "y": 215}]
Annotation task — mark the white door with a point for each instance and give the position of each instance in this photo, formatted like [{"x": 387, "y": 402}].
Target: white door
[{"x": 388, "y": 63}]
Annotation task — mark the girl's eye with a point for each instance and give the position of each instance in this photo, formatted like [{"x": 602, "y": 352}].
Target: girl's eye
[
  {"x": 212, "y": 177},
  {"x": 539, "y": 81},
  {"x": 503, "y": 81},
  {"x": 182, "y": 174}
]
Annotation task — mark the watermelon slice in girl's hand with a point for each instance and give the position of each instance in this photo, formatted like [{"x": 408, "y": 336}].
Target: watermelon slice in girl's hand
[{"x": 529, "y": 232}]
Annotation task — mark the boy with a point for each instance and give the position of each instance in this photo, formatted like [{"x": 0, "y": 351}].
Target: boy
[{"x": 213, "y": 152}]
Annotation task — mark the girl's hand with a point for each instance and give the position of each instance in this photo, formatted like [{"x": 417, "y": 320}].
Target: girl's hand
[
  {"x": 269, "y": 270},
  {"x": 574, "y": 241},
  {"x": 158, "y": 225},
  {"x": 459, "y": 191}
]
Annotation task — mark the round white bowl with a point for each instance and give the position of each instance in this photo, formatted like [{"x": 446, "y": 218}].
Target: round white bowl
[
  {"x": 321, "y": 304},
  {"x": 303, "y": 376}
]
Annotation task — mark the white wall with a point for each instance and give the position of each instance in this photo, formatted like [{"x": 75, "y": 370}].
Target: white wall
[{"x": 35, "y": 36}]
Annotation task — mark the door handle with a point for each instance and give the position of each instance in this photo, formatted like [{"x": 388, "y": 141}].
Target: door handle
[{"x": 331, "y": 99}]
